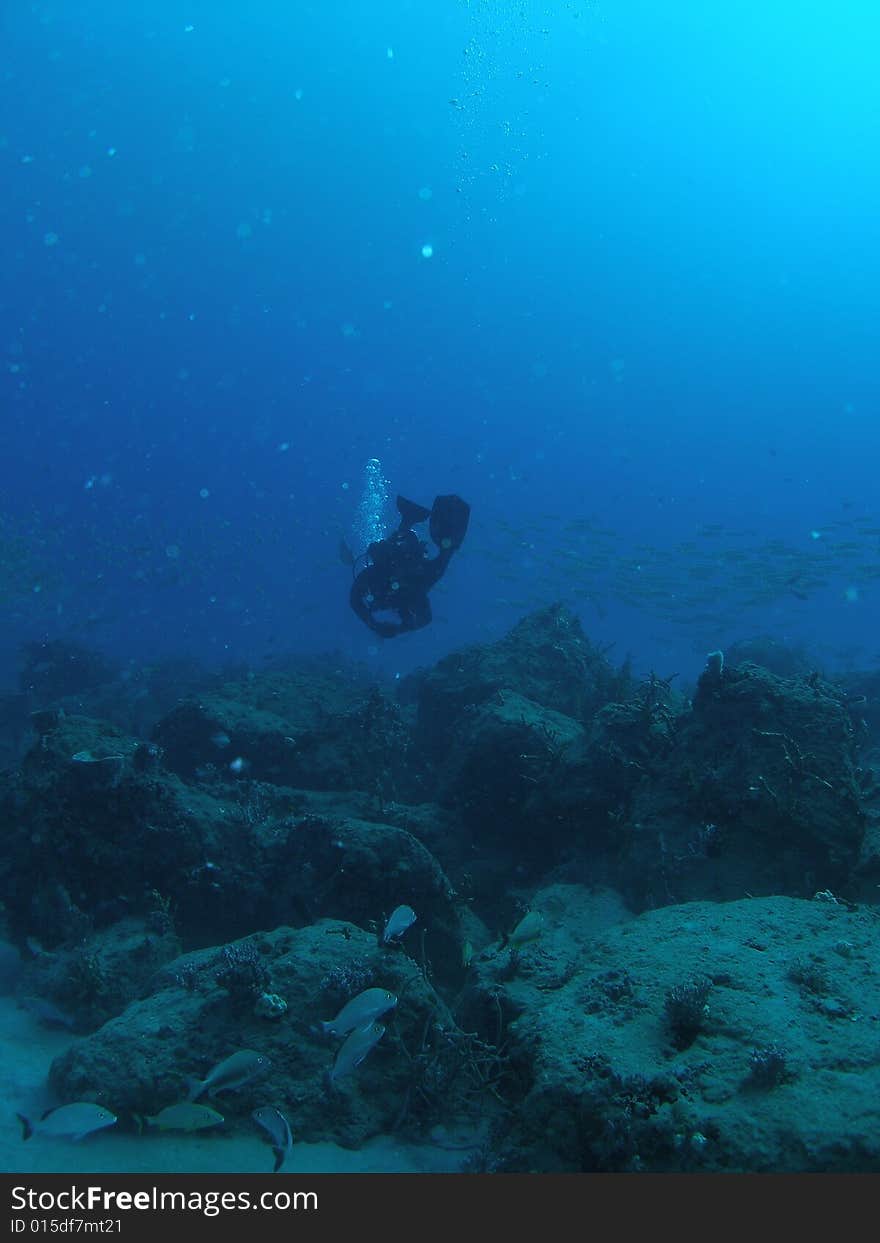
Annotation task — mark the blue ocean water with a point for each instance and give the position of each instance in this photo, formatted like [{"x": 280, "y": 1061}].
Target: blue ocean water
[
  {"x": 607, "y": 270},
  {"x": 649, "y": 300}
]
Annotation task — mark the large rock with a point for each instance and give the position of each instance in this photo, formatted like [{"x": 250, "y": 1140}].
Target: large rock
[
  {"x": 96, "y": 976},
  {"x": 546, "y": 658},
  {"x": 341, "y": 867},
  {"x": 755, "y": 787},
  {"x": 504, "y": 750},
  {"x": 141, "y": 1061},
  {"x": 737, "y": 1036},
  {"x": 93, "y": 827},
  {"x": 764, "y": 780},
  {"x": 99, "y": 830},
  {"x": 315, "y": 729}
]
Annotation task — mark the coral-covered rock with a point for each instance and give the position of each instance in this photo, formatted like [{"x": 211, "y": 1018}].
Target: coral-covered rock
[
  {"x": 95, "y": 835},
  {"x": 547, "y": 659},
  {"x": 312, "y": 729},
  {"x": 143, "y": 1060},
  {"x": 97, "y": 976},
  {"x": 344, "y": 868},
  {"x": 714, "y": 1037},
  {"x": 504, "y": 752}
]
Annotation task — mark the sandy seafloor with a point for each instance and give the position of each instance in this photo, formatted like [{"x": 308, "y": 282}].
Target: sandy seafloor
[{"x": 27, "y": 1051}]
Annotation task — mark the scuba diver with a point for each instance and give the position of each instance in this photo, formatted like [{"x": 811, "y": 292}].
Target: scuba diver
[{"x": 390, "y": 594}]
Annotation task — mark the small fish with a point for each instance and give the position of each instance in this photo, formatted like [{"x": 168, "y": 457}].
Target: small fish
[
  {"x": 75, "y": 1121},
  {"x": 368, "y": 1006},
  {"x": 467, "y": 954},
  {"x": 361, "y": 1042},
  {"x": 273, "y": 1121},
  {"x": 237, "y": 1069},
  {"x": 528, "y": 929},
  {"x": 220, "y": 740},
  {"x": 401, "y": 918},
  {"x": 346, "y": 556},
  {"x": 182, "y": 1117}
]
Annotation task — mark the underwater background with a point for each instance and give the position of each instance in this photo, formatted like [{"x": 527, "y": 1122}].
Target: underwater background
[{"x": 610, "y": 272}]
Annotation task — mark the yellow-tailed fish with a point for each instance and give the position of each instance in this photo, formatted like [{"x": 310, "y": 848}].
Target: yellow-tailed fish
[{"x": 185, "y": 1116}]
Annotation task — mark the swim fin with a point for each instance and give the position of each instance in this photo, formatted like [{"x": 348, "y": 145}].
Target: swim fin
[
  {"x": 449, "y": 521},
  {"x": 410, "y": 513}
]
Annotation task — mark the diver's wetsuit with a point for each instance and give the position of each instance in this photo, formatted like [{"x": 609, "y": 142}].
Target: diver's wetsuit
[{"x": 399, "y": 574}]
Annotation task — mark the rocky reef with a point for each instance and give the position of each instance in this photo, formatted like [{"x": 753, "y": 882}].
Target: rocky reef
[{"x": 645, "y": 915}]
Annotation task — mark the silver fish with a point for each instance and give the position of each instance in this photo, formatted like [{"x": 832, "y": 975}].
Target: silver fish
[
  {"x": 363, "y": 1009},
  {"x": 528, "y": 929},
  {"x": 75, "y": 1121},
  {"x": 401, "y": 918},
  {"x": 183, "y": 1117},
  {"x": 361, "y": 1042},
  {"x": 273, "y": 1121},
  {"x": 235, "y": 1070}
]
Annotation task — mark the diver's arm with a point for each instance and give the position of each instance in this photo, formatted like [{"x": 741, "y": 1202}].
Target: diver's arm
[{"x": 360, "y": 588}]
